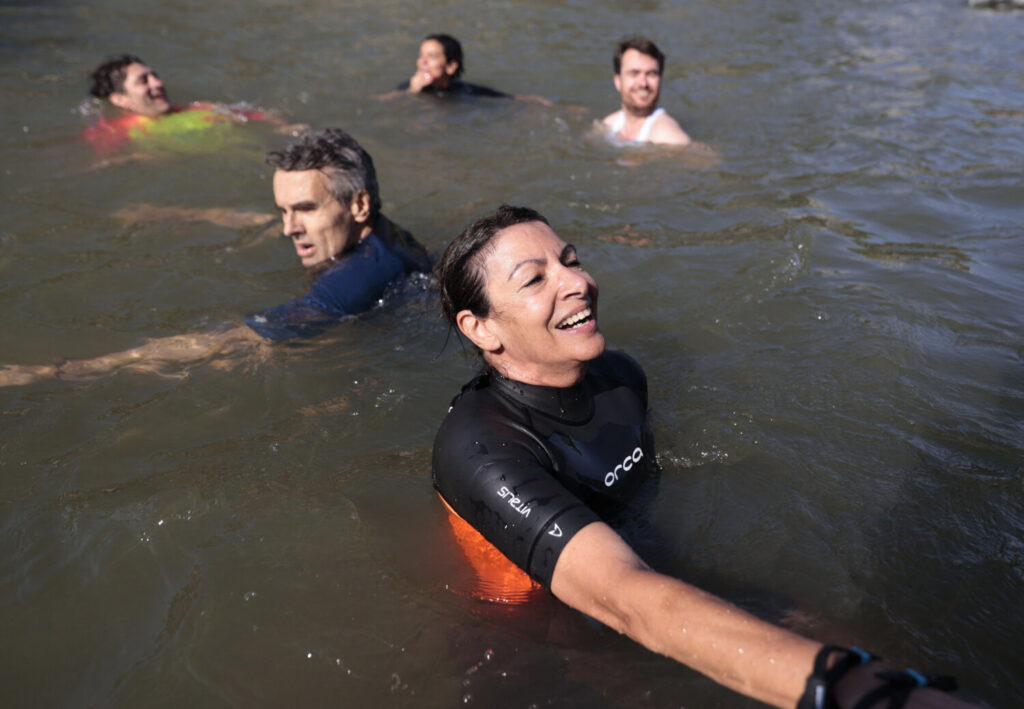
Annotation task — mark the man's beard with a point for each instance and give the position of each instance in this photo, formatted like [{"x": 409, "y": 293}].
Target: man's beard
[{"x": 641, "y": 109}]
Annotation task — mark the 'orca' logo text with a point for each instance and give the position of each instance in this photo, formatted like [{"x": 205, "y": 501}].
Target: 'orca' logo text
[{"x": 625, "y": 466}]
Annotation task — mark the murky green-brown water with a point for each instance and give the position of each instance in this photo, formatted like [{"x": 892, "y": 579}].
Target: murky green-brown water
[{"x": 830, "y": 320}]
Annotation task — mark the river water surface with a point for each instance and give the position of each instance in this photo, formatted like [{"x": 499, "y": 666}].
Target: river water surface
[{"x": 830, "y": 320}]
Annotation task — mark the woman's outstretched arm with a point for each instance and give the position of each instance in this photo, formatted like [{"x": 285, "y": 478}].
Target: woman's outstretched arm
[{"x": 600, "y": 575}]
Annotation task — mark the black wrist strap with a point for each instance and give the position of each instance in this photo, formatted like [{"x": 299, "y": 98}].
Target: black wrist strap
[
  {"x": 898, "y": 684},
  {"x": 818, "y": 692}
]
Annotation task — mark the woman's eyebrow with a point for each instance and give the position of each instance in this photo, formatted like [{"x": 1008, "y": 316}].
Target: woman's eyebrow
[{"x": 538, "y": 261}]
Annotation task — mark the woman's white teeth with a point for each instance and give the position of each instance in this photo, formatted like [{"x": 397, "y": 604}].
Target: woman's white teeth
[{"x": 575, "y": 319}]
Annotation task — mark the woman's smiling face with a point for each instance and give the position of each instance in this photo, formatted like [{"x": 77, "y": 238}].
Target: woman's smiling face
[{"x": 542, "y": 325}]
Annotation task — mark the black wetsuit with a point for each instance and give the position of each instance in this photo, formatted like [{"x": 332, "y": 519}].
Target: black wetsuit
[
  {"x": 530, "y": 466},
  {"x": 457, "y": 88}
]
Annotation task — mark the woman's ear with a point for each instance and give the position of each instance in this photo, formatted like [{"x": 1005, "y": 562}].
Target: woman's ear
[
  {"x": 450, "y": 68},
  {"x": 478, "y": 330}
]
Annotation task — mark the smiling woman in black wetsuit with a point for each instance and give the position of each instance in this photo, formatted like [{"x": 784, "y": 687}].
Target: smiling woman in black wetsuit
[{"x": 552, "y": 438}]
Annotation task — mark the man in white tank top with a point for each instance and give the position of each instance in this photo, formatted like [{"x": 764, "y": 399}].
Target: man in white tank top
[{"x": 638, "y": 65}]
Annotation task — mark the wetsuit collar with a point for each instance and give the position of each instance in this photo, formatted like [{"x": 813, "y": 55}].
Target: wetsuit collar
[{"x": 572, "y": 404}]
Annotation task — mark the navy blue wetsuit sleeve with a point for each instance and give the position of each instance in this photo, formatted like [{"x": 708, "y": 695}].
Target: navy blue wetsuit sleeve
[
  {"x": 299, "y": 318},
  {"x": 349, "y": 287},
  {"x": 493, "y": 476}
]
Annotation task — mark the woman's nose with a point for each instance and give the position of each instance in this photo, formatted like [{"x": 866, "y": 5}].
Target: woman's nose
[{"x": 574, "y": 282}]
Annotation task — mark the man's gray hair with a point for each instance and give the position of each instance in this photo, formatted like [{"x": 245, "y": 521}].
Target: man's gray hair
[{"x": 339, "y": 157}]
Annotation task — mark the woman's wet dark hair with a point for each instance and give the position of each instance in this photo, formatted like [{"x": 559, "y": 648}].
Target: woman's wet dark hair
[
  {"x": 460, "y": 273},
  {"x": 452, "y": 50}
]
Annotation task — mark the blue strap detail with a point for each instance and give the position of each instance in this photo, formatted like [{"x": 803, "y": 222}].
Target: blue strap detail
[
  {"x": 864, "y": 655},
  {"x": 921, "y": 680}
]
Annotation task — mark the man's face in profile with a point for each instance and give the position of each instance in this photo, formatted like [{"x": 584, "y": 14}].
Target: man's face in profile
[
  {"x": 143, "y": 92},
  {"x": 638, "y": 82}
]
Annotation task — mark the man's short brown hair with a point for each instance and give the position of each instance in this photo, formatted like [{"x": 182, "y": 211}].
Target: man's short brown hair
[{"x": 641, "y": 44}]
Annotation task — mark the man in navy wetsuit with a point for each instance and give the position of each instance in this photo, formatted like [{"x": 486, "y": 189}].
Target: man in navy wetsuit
[{"x": 325, "y": 186}]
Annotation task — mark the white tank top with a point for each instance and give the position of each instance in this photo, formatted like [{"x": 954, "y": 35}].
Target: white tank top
[{"x": 645, "y": 129}]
